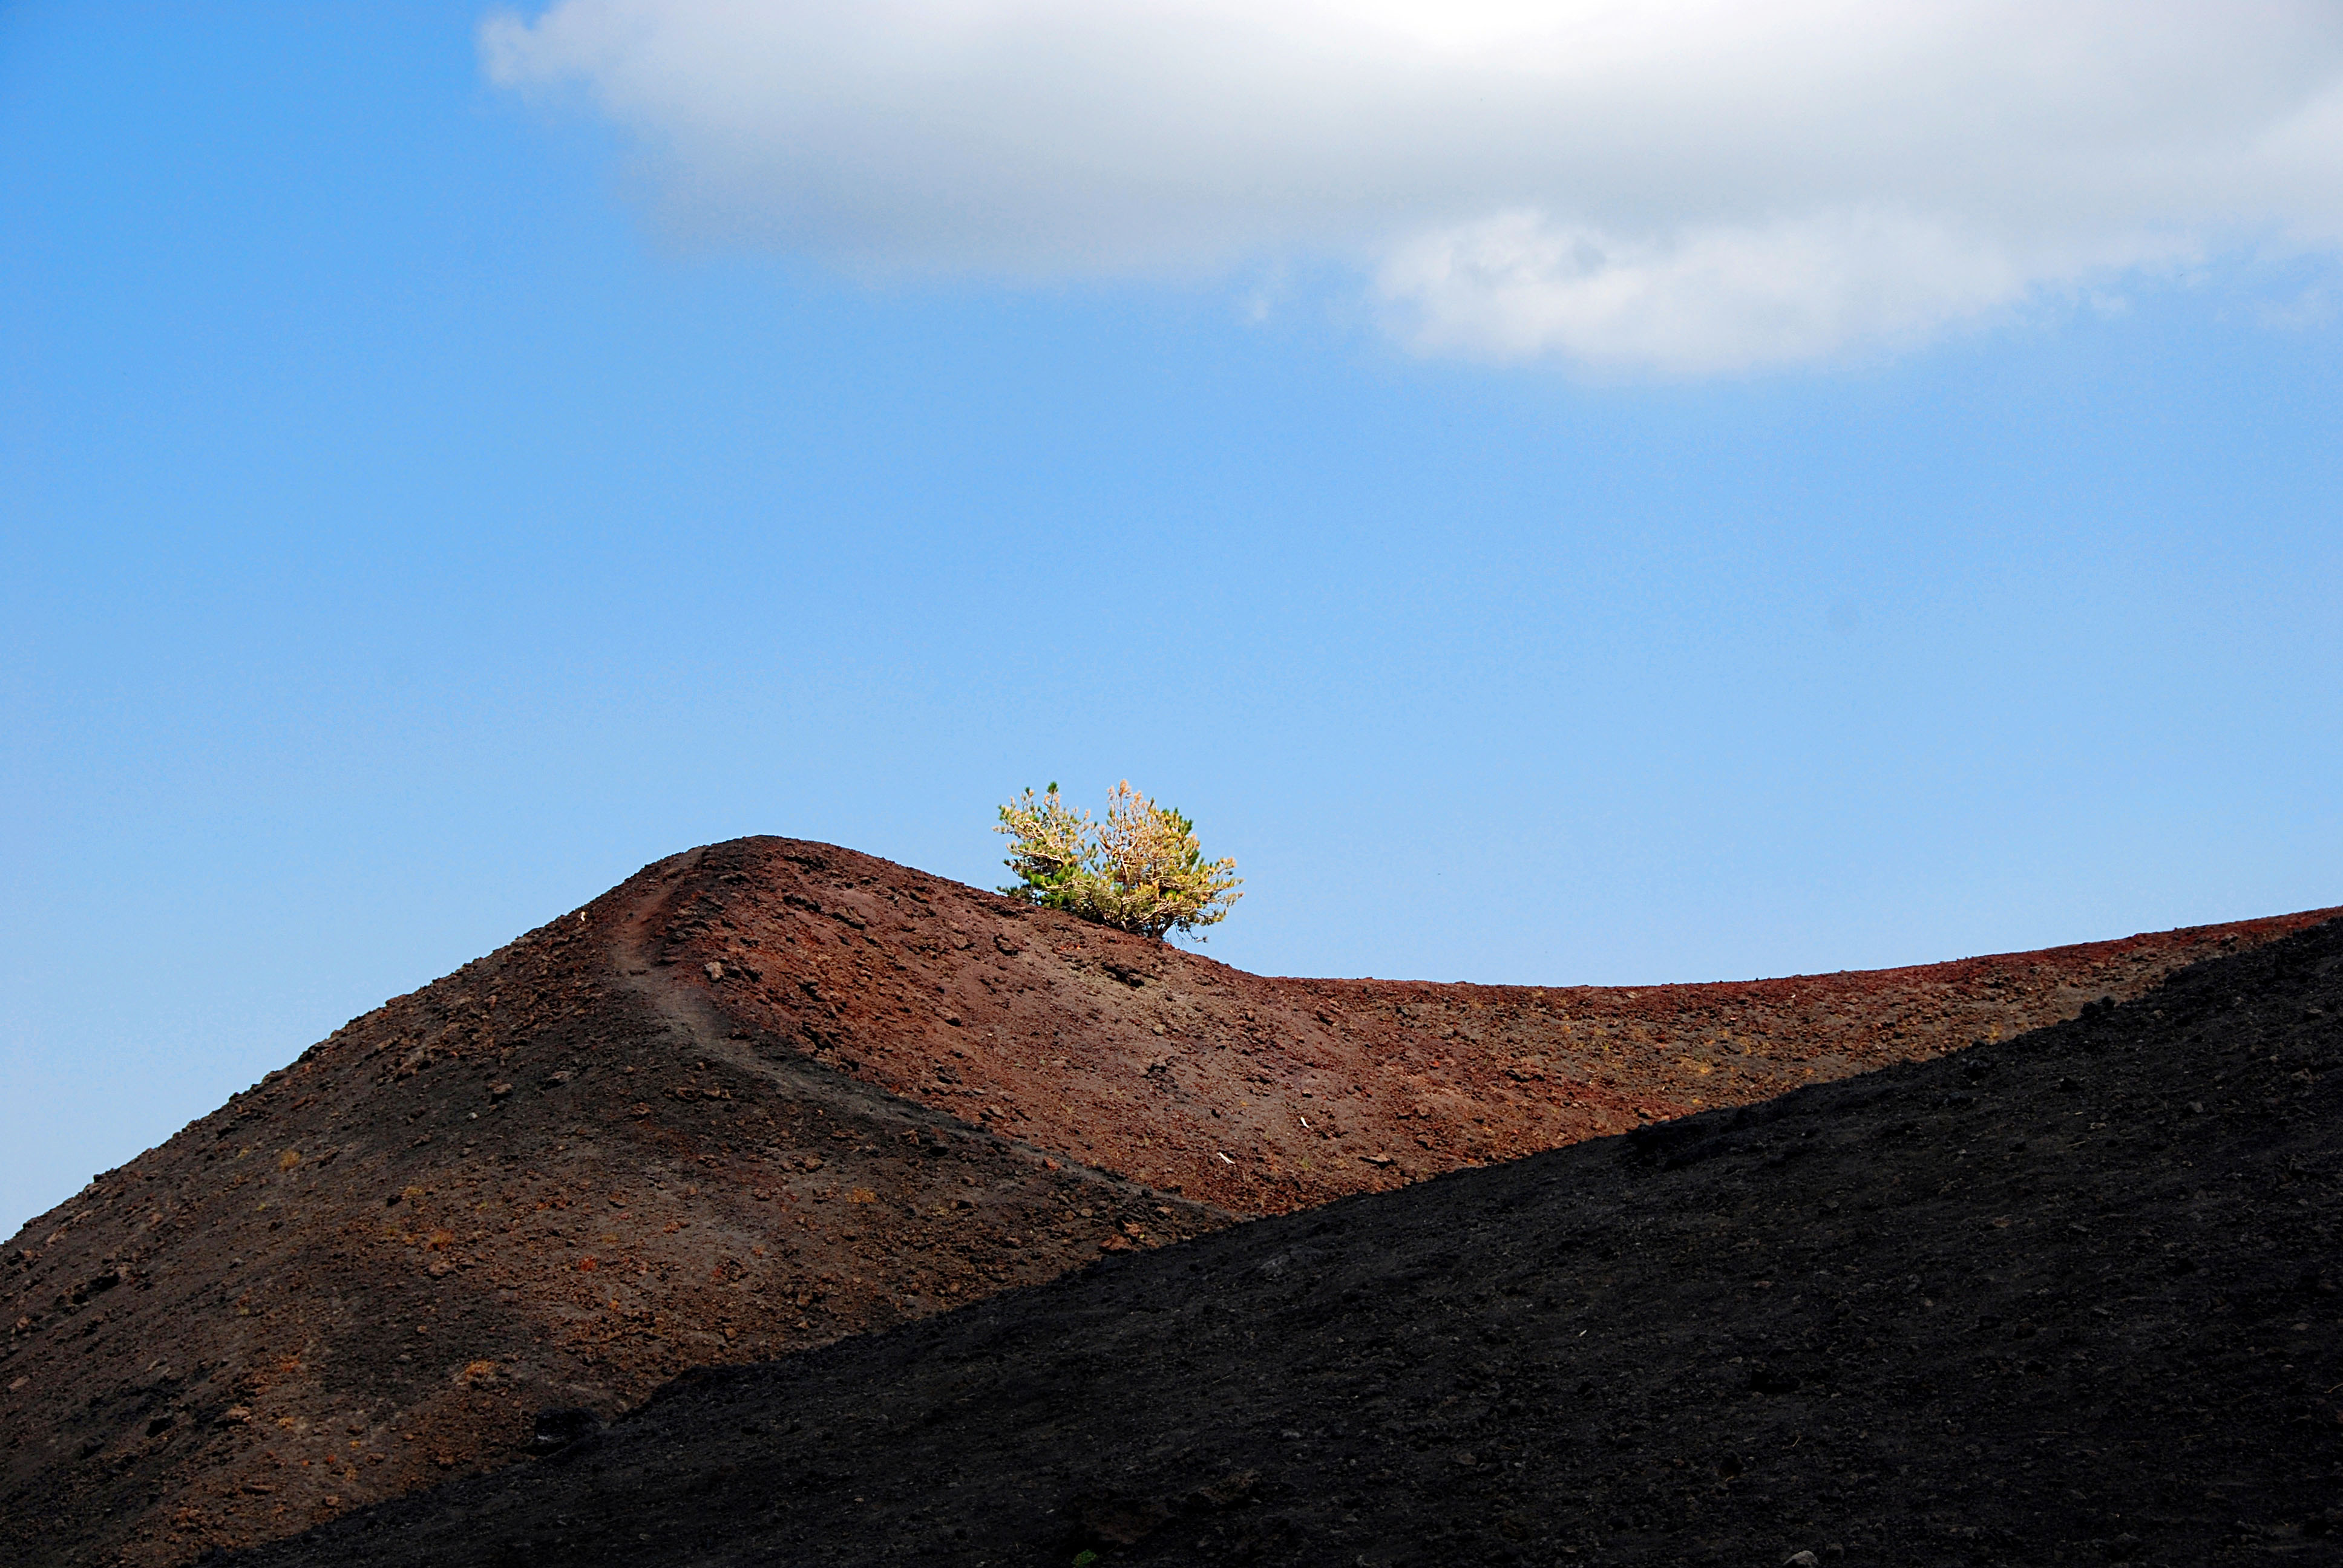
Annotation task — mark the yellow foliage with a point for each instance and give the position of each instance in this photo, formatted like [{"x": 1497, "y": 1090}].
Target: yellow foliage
[{"x": 1141, "y": 869}]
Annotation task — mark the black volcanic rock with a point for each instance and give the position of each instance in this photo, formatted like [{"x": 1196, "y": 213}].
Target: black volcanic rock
[{"x": 2068, "y": 1298}]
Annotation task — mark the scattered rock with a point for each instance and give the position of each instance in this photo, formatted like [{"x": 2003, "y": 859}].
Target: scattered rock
[{"x": 556, "y": 1430}]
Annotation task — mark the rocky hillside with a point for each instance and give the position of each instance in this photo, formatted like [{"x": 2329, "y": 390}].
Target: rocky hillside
[
  {"x": 770, "y": 1093},
  {"x": 2070, "y": 1298}
]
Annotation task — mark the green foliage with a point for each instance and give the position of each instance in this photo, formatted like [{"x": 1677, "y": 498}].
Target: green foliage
[{"x": 1141, "y": 869}]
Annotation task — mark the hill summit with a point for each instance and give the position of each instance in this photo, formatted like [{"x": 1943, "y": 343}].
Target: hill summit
[{"x": 769, "y": 1093}]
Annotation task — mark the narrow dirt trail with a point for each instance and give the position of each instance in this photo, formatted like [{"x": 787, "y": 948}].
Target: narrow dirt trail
[{"x": 692, "y": 1014}]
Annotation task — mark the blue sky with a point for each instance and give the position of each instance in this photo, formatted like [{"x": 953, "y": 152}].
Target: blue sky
[{"x": 428, "y": 494}]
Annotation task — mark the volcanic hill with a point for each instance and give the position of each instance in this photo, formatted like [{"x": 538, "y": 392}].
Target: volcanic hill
[
  {"x": 769, "y": 1093},
  {"x": 2068, "y": 1298}
]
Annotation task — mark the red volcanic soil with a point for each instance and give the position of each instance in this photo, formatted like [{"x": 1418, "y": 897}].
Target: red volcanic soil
[
  {"x": 1261, "y": 1095},
  {"x": 769, "y": 1093}
]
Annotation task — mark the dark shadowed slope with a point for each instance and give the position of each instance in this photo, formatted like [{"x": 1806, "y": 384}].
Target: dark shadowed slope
[
  {"x": 2065, "y": 1298},
  {"x": 767, "y": 1093}
]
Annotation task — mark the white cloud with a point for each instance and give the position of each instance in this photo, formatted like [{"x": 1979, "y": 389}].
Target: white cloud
[{"x": 1680, "y": 185}]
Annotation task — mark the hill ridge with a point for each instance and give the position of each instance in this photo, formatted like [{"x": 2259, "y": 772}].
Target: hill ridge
[{"x": 767, "y": 1093}]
